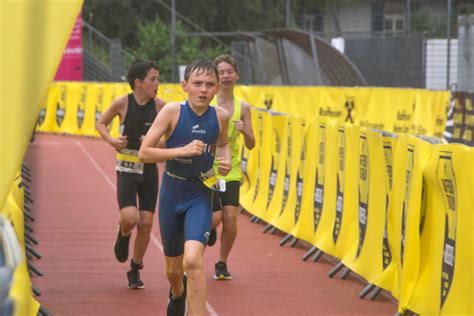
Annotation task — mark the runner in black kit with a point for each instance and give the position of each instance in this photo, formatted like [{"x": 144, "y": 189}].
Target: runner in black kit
[
  {"x": 195, "y": 134},
  {"x": 137, "y": 111}
]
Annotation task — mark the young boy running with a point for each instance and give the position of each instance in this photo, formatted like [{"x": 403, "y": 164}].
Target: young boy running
[
  {"x": 136, "y": 111},
  {"x": 195, "y": 134}
]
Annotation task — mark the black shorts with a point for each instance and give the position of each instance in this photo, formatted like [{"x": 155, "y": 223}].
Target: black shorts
[
  {"x": 229, "y": 197},
  {"x": 145, "y": 186}
]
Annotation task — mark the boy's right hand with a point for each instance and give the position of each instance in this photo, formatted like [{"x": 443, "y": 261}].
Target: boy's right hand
[
  {"x": 119, "y": 142},
  {"x": 194, "y": 148}
]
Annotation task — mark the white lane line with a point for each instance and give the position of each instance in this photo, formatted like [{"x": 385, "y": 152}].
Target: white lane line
[
  {"x": 94, "y": 163},
  {"x": 155, "y": 240},
  {"x": 46, "y": 143}
]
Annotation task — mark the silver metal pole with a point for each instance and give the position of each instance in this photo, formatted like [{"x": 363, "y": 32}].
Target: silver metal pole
[
  {"x": 173, "y": 41},
  {"x": 288, "y": 14},
  {"x": 408, "y": 16},
  {"x": 448, "y": 31}
]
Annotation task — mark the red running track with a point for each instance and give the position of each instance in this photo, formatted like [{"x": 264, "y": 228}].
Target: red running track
[{"x": 76, "y": 220}]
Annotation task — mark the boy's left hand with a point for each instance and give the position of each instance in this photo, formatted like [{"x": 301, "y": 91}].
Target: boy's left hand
[
  {"x": 239, "y": 125},
  {"x": 223, "y": 166}
]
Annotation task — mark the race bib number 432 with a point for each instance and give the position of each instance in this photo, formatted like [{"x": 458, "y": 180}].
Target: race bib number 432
[{"x": 128, "y": 161}]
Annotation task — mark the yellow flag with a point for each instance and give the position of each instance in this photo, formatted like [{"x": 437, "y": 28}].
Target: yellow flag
[{"x": 33, "y": 36}]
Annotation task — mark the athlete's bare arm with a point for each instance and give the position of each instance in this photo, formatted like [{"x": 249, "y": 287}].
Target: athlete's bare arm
[
  {"x": 118, "y": 107},
  {"x": 222, "y": 148},
  {"x": 159, "y": 103},
  {"x": 164, "y": 124},
  {"x": 244, "y": 126}
]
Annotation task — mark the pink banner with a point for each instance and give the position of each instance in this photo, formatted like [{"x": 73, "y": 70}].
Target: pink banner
[{"x": 70, "y": 67}]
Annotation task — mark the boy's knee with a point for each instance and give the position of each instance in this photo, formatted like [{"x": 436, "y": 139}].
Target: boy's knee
[
  {"x": 128, "y": 222},
  {"x": 145, "y": 225},
  {"x": 192, "y": 262},
  {"x": 229, "y": 218},
  {"x": 174, "y": 272}
]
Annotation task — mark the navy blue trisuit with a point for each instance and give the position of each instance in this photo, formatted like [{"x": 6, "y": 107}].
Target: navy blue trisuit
[{"x": 185, "y": 202}]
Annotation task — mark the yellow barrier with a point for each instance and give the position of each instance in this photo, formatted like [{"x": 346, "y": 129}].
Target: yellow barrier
[
  {"x": 445, "y": 279},
  {"x": 363, "y": 196},
  {"x": 20, "y": 291},
  {"x": 73, "y": 107}
]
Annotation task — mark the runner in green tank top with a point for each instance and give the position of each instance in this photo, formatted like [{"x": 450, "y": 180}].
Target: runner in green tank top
[{"x": 225, "y": 204}]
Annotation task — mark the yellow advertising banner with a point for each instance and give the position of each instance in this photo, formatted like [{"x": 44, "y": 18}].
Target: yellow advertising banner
[
  {"x": 413, "y": 111},
  {"x": 405, "y": 213},
  {"x": 372, "y": 186},
  {"x": 34, "y": 48},
  {"x": 303, "y": 228},
  {"x": 294, "y": 176},
  {"x": 259, "y": 203},
  {"x": 278, "y": 168},
  {"x": 344, "y": 231},
  {"x": 324, "y": 195},
  {"x": 445, "y": 280},
  {"x": 252, "y": 164},
  {"x": 20, "y": 292}
]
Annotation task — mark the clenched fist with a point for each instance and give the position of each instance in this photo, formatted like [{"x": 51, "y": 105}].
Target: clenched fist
[
  {"x": 223, "y": 166},
  {"x": 239, "y": 125},
  {"x": 194, "y": 148},
  {"x": 119, "y": 142}
]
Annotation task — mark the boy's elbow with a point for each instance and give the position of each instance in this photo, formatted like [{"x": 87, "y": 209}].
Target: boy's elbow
[
  {"x": 250, "y": 145},
  {"x": 142, "y": 154}
]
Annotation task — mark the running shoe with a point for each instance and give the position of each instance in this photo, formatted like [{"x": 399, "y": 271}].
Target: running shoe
[
  {"x": 221, "y": 271},
  {"x": 212, "y": 238},
  {"x": 121, "y": 246},
  {"x": 177, "y": 305},
  {"x": 134, "y": 281}
]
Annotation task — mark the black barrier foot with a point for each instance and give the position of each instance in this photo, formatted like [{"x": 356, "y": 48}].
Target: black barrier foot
[
  {"x": 35, "y": 290},
  {"x": 317, "y": 255},
  {"x": 28, "y": 216},
  {"x": 267, "y": 228},
  {"x": 285, "y": 240},
  {"x": 273, "y": 230},
  {"x": 29, "y": 200},
  {"x": 31, "y": 238},
  {"x": 294, "y": 242},
  {"x": 375, "y": 293},
  {"x": 26, "y": 208},
  {"x": 26, "y": 177},
  {"x": 309, "y": 253},
  {"x": 28, "y": 228},
  {"x": 27, "y": 193},
  {"x": 366, "y": 290},
  {"x": 254, "y": 219},
  {"x": 32, "y": 251},
  {"x": 24, "y": 166},
  {"x": 34, "y": 270},
  {"x": 345, "y": 273},
  {"x": 43, "y": 311},
  {"x": 336, "y": 269}
]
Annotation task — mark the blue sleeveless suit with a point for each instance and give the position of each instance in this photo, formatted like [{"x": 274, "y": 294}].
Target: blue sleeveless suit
[{"x": 185, "y": 202}]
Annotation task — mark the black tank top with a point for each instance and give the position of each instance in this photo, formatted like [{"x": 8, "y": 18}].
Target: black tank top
[{"x": 137, "y": 122}]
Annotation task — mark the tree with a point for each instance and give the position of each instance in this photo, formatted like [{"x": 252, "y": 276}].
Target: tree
[{"x": 154, "y": 43}]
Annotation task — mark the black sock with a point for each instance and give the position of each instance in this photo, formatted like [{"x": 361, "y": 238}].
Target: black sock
[{"x": 135, "y": 266}]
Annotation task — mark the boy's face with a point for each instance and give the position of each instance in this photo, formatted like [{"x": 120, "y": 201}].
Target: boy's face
[
  {"x": 201, "y": 87},
  {"x": 149, "y": 85},
  {"x": 227, "y": 75}
]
